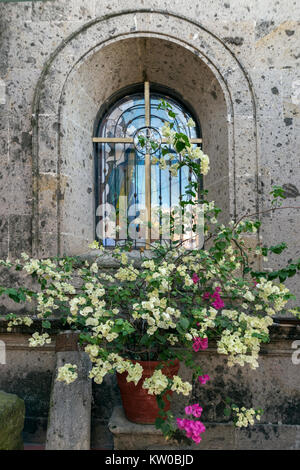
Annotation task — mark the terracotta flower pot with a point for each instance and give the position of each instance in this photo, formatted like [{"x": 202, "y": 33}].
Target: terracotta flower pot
[{"x": 139, "y": 406}]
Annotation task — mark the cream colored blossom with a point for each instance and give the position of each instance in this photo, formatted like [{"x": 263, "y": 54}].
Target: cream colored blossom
[
  {"x": 156, "y": 384},
  {"x": 67, "y": 373},
  {"x": 27, "y": 321},
  {"x": 94, "y": 245},
  {"x": 39, "y": 340},
  {"x": 179, "y": 386}
]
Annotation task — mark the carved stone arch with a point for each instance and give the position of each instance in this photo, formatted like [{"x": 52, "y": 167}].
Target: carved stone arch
[{"x": 66, "y": 87}]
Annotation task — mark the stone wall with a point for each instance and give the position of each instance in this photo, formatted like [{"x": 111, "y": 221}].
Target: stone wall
[
  {"x": 274, "y": 386},
  {"x": 237, "y": 64}
]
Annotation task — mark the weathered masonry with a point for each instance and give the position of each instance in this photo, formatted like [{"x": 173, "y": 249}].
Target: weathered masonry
[{"x": 234, "y": 66}]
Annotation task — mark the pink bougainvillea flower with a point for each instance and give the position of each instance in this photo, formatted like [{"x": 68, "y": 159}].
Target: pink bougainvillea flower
[
  {"x": 200, "y": 343},
  {"x": 218, "y": 302},
  {"x": 188, "y": 410},
  {"x": 203, "y": 378},
  {"x": 204, "y": 343},
  {"x": 195, "y": 278},
  {"x": 197, "y": 410},
  {"x": 192, "y": 428},
  {"x": 194, "y": 410},
  {"x": 180, "y": 423}
]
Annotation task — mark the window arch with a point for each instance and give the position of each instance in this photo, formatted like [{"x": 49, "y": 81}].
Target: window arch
[{"x": 126, "y": 180}]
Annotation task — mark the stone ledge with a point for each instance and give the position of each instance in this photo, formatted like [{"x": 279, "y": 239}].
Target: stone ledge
[
  {"x": 119, "y": 424},
  {"x": 105, "y": 259},
  {"x": 281, "y": 330},
  {"x": 218, "y": 436},
  {"x": 132, "y": 436}
]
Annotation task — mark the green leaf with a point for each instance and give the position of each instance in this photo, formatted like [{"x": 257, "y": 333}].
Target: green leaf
[
  {"x": 264, "y": 251},
  {"x": 158, "y": 423},
  {"x": 179, "y": 146},
  {"x": 184, "y": 323},
  {"x": 262, "y": 336},
  {"x": 172, "y": 114},
  {"x": 283, "y": 275},
  {"x": 277, "y": 249},
  {"x": 15, "y": 295},
  {"x": 220, "y": 245}
]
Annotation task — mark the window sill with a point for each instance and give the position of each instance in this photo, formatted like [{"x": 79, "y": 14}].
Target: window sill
[{"x": 106, "y": 260}]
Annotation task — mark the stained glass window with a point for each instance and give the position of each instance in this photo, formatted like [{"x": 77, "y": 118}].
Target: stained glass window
[{"x": 123, "y": 175}]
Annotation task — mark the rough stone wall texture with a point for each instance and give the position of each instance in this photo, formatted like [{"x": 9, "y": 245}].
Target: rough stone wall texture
[
  {"x": 28, "y": 374},
  {"x": 237, "y": 63},
  {"x": 274, "y": 386},
  {"x": 251, "y": 49}
]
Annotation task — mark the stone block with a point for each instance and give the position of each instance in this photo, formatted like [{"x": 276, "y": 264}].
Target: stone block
[
  {"x": 17, "y": 11},
  {"x": 278, "y": 47},
  {"x": 47, "y": 244},
  {"x": 70, "y": 406},
  {"x": 12, "y": 413},
  {"x": 20, "y": 234},
  {"x": 15, "y": 191},
  {"x": 132, "y": 436},
  {"x": 3, "y": 237},
  {"x": 48, "y": 144},
  {"x": 57, "y": 11}
]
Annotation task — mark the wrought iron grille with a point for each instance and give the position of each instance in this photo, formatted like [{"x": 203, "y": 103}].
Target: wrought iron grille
[{"x": 124, "y": 169}]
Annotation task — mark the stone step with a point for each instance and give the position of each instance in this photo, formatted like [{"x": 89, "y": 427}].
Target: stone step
[
  {"x": 218, "y": 436},
  {"x": 69, "y": 423},
  {"x": 132, "y": 436},
  {"x": 12, "y": 414}
]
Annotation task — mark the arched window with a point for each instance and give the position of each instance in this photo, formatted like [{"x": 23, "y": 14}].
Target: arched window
[{"x": 126, "y": 180}]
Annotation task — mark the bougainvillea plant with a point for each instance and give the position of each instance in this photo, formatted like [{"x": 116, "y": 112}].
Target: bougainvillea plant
[{"x": 168, "y": 304}]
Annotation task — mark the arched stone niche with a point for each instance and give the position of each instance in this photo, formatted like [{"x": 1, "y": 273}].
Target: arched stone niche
[{"x": 99, "y": 60}]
